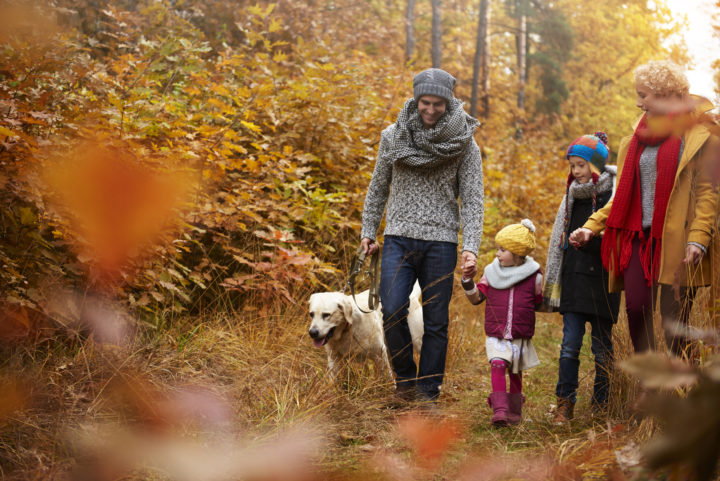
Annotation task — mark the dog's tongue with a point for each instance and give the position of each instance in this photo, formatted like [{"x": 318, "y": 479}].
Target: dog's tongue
[{"x": 319, "y": 342}]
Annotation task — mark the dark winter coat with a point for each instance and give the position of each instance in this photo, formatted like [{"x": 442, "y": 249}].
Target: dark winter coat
[{"x": 584, "y": 280}]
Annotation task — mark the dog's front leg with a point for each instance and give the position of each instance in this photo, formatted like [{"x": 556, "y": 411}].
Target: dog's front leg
[
  {"x": 333, "y": 367},
  {"x": 382, "y": 363}
]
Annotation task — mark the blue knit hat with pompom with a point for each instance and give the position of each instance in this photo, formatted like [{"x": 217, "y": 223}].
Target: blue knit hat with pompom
[{"x": 592, "y": 148}]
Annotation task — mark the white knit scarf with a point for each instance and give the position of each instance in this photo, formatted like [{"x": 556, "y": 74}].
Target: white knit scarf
[{"x": 500, "y": 277}]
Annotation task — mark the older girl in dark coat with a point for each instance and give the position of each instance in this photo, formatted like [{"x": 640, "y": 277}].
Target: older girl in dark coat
[{"x": 576, "y": 282}]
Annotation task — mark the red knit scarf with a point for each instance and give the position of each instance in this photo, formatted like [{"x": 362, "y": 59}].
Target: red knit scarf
[{"x": 625, "y": 220}]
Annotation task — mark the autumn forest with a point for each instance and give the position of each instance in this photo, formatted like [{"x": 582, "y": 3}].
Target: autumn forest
[{"x": 179, "y": 176}]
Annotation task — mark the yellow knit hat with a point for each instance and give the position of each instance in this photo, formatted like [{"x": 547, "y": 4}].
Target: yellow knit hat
[{"x": 517, "y": 238}]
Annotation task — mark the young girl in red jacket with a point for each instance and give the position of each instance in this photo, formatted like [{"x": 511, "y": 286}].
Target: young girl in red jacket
[{"x": 512, "y": 287}]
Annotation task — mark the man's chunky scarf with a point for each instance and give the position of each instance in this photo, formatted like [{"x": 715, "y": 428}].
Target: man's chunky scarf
[{"x": 448, "y": 139}]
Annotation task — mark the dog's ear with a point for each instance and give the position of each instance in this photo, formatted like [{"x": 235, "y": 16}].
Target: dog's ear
[
  {"x": 312, "y": 298},
  {"x": 346, "y": 307}
]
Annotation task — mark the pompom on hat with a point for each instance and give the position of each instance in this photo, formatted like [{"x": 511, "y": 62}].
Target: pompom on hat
[
  {"x": 517, "y": 238},
  {"x": 592, "y": 148},
  {"x": 434, "y": 81}
]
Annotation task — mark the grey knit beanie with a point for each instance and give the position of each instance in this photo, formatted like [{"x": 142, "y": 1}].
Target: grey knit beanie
[{"x": 434, "y": 81}]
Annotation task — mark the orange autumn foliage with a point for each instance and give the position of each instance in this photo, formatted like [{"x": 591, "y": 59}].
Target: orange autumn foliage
[
  {"x": 117, "y": 205},
  {"x": 274, "y": 111}
]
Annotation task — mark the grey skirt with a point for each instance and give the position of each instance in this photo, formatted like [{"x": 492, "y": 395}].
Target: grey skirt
[{"x": 518, "y": 353}]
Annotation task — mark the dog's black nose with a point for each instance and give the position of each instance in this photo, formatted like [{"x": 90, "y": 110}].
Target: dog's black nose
[{"x": 313, "y": 332}]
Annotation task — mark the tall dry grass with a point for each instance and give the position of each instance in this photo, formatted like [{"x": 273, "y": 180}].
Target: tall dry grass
[{"x": 252, "y": 387}]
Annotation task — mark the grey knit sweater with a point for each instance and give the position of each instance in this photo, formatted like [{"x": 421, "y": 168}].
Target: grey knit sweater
[
  {"x": 422, "y": 201},
  {"x": 648, "y": 178}
]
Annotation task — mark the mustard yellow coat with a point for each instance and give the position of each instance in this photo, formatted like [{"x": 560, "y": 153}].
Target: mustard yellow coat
[{"x": 691, "y": 212}]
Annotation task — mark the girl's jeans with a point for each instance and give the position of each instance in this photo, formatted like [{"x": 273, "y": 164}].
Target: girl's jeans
[
  {"x": 602, "y": 349},
  {"x": 431, "y": 263}
]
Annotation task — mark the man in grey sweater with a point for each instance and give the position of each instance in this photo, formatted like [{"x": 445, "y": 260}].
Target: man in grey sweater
[{"x": 426, "y": 160}]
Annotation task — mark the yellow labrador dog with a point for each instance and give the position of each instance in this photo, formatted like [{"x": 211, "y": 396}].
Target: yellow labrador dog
[{"x": 346, "y": 332}]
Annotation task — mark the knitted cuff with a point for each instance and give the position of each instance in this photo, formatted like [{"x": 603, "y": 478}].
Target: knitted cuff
[
  {"x": 702, "y": 247},
  {"x": 469, "y": 286}
]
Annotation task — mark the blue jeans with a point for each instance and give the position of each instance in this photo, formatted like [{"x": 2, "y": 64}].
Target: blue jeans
[
  {"x": 431, "y": 263},
  {"x": 602, "y": 349}
]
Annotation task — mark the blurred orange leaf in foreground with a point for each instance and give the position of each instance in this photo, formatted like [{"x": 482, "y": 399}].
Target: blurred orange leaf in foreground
[
  {"x": 430, "y": 437},
  {"x": 118, "y": 205},
  {"x": 20, "y": 323},
  {"x": 15, "y": 396},
  {"x": 18, "y": 21}
]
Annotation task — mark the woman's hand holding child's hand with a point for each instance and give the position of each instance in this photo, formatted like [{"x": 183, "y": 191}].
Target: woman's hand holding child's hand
[{"x": 580, "y": 237}]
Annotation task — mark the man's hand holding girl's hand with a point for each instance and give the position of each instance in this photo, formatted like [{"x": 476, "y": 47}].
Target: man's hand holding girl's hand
[{"x": 468, "y": 263}]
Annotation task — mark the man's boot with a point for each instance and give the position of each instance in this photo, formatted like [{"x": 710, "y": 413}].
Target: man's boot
[{"x": 404, "y": 397}]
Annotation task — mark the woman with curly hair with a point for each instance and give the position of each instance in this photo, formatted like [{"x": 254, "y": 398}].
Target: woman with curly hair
[{"x": 658, "y": 226}]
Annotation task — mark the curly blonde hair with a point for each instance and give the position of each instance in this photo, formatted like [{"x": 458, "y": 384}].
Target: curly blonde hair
[{"x": 663, "y": 78}]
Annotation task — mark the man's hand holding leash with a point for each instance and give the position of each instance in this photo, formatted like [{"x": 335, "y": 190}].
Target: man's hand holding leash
[{"x": 369, "y": 246}]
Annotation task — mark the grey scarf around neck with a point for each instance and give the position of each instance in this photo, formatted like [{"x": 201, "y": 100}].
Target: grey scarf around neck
[
  {"x": 448, "y": 139},
  {"x": 505, "y": 277},
  {"x": 553, "y": 266}
]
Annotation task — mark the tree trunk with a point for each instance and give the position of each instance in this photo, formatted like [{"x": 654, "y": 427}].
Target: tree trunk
[
  {"x": 486, "y": 65},
  {"x": 410, "y": 30},
  {"x": 522, "y": 60},
  {"x": 715, "y": 275},
  {"x": 436, "y": 34},
  {"x": 479, "y": 60},
  {"x": 522, "y": 74}
]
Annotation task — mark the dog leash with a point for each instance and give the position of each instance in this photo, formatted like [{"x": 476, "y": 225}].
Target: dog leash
[{"x": 371, "y": 272}]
